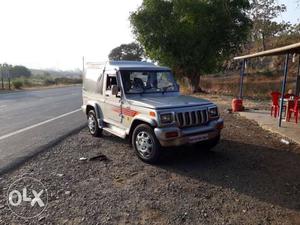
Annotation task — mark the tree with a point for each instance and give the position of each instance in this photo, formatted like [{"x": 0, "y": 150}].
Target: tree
[
  {"x": 132, "y": 51},
  {"x": 262, "y": 14},
  {"x": 296, "y": 29},
  {"x": 5, "y": 70},
  {"x": 193, "y": 37},
  {"x": 19, "y": 71}
]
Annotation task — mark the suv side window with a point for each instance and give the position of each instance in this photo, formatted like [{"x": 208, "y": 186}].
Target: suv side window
[{"x": 110, "y": 80}]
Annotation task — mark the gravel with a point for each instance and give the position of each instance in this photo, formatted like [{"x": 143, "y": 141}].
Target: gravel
[{"x": 249, "y": 178}]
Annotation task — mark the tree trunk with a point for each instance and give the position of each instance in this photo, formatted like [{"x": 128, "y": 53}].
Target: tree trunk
[
  {"x": 264, "y": 42},
  {"x": 194, "y": 83}
]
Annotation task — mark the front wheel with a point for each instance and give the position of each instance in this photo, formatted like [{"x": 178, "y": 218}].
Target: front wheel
[
  {"x": 146, "y": 144},
  {"x": 93, "y": 124}
]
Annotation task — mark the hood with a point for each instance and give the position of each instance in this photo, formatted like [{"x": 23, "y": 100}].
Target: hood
[{"x": 164, "y": 102}]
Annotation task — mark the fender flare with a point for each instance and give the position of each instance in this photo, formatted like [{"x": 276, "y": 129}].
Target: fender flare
[
  {"x": 139, "y": 119},
  {"x": 145, "y": 119},
  {"x": 96, "y": 107}
]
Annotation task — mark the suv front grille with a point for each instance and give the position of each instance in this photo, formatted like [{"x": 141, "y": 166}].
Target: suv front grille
[{"x": 192, "y": 118}]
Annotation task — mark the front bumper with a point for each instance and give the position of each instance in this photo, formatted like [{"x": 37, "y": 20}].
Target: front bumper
[{"x": 189, "y": 135}]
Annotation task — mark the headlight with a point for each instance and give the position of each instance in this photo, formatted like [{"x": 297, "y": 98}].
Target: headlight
[
  {"x": 213, "y": 112},
  {"x": 166, "y": 118}
]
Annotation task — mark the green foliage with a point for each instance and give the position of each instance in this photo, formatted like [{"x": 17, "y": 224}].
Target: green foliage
[
  {"x": 193, "y": 37},
  {"x": 17, "y": 83},
  {"x": 64, "y": 80},
  {"x": 14, "y": 71},
  {"x": 49, "y": 81},
  {"x": 21, "y": 77},
  {"x": 26, "y": 81},
  {"x": 5, "y": 70},
  {"x": 132, "y": 51},
  {"x": 22, "y": 82},
  {"x": 19, "y": 71},
  {"x": 38, "y": 81},
  {"x": 263, "y": 13},
  {"x": 266, "y": 73}
]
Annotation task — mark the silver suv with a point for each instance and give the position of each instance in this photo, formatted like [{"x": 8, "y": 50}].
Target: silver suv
[{"x": 142, "y": 102}]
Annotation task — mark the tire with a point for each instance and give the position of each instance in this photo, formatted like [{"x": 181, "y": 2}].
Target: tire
[
  {"x": 145, "y": 144},
  {"x": 93, "y": 125}
]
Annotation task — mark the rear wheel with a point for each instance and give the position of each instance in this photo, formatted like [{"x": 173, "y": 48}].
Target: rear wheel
[
  {"x": 146, "y": 144},
  {"x": 93, "y": 124}
]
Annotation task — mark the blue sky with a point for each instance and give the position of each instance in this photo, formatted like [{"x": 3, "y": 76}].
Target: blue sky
[{"x": 293, "y": 11}]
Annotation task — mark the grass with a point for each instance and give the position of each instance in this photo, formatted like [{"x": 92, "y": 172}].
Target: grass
[
  {"x": 256, "y": 86},
  {"x": 40, "y": 81}
]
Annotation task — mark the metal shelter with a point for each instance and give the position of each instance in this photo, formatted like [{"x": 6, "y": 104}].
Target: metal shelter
[{"x": 287, "y": 51}]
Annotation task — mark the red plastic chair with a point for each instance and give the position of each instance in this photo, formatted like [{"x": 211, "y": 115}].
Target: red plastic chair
[
  {"x": 294, "y": 110},
  {"x": 289, "y": 95},
  {"x": 275, "y": 103}
]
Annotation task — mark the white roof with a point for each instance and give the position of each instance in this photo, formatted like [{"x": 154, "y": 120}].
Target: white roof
[{"x": 126, "y": 65}]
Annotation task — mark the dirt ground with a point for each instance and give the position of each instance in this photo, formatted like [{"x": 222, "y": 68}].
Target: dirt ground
[{"x": 249, "y": 178}]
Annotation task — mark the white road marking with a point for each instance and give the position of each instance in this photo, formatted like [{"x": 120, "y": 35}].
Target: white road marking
[{"x": 38, "y": 124}]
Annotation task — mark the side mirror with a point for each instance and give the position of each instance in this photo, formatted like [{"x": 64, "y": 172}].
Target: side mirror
[
  {"x": 114, "y": 90},
  {"x": 178, "y": 86}
]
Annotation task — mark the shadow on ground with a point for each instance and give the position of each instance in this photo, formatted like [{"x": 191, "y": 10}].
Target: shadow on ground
[{"x": 270, "y": 175}]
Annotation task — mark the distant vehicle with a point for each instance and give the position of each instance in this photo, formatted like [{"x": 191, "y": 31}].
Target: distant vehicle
[{"x": 142, "y": 102}]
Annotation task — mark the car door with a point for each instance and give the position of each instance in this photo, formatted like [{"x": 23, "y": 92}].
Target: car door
[{"x": 113, "y": 103}]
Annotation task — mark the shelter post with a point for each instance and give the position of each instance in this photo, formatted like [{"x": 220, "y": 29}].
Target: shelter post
[
  {"x": 285, "y": 73},
  {"x": 242, "y": 73}
]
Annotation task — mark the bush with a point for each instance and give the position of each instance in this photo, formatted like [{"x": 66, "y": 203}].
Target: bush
[
  {"x": 65, "y": 80},
  {"x": 17, "y": 84},
  {"x": 27, "y": 82},
  {"x": 266, "y": 73},
  {"x": 48, "y": 82}
]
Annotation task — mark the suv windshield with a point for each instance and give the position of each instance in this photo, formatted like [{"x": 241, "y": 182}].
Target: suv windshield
[{"x": 136, "y": 82}]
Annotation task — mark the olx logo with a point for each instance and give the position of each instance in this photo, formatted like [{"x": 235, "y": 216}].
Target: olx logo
[
  {"x": 15, "y": 194},
  {"x": 27, "y": 197}
]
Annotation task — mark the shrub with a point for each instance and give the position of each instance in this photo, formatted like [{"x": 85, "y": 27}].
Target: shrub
[
  {"x": 17, "y": 84},
  {"x": 27, "y": 82},
  {"x": 48, "y": 82},
  {"x": 65, "y": 80}
]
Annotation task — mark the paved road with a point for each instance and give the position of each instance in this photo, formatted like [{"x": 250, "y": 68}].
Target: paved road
[{"x": 32, "y": 120}]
